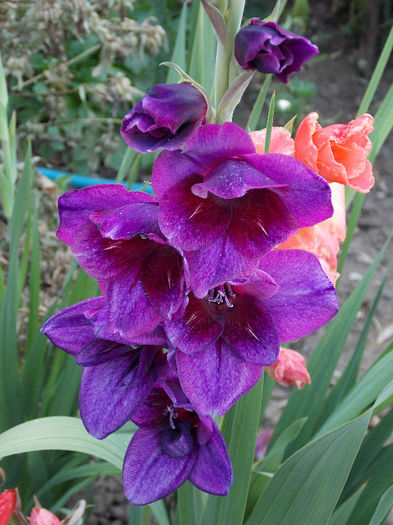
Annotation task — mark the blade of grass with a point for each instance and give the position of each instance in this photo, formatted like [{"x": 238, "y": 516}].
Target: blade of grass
[
  {"x": 269, "y": 123},
  {"x": 34, "y": 279}
]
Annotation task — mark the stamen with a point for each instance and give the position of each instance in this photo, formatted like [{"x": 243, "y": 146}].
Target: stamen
[{"x": 220, "y": 295}]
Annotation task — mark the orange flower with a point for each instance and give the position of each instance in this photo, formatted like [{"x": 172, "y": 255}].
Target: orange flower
[
  {"x": 323, "y": 239},
  {"x": 338, "y": 152},
  {"x": 289, "y": 369},
  {"x": 280, "y": 141}
]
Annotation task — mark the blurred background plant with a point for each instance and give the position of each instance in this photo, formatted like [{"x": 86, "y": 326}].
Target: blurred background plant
[{"x": 75, "y": 67}]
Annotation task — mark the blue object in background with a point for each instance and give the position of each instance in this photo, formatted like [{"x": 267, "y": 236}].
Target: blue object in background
[{"x": 83, "y": 180}]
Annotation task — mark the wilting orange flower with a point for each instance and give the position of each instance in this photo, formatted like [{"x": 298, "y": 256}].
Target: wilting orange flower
[
  {"x": 289, "y": 369},
  {"x": 323, "y": 239},
  {"x": 8, "y": 500},
  {"x": 43, "y": 517},
  {"x": 338, "y": 152}
]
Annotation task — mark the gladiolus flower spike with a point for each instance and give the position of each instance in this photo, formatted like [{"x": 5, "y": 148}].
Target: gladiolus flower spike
[{"x": 194, "y": 299}]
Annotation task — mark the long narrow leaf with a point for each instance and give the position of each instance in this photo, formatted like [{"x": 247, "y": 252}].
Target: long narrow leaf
[
  {"x": 179, "y": 51},
  {"x": 62, "y": 433},
  {"x": 307, "y": 486},
  {"x": 258, "y": 104}
]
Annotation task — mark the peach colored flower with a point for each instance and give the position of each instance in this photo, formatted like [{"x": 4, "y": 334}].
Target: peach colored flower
[
  {"x": 338, "y": 152},
  {"x": 289, "y": 369},
  {"x": 323, "y": 239},
  {"x": 280, "y": 141},
  {"x": 43, "y": 517}
]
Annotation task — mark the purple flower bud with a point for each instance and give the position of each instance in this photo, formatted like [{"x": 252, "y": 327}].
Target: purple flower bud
[
  {"x": 164, "y": 118},
  {"x": 271, "y": 49}
]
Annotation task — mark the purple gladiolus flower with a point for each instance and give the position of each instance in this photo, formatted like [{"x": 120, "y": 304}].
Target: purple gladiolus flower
[
  {"x": 172, "y": 445},
  {"x": 271, "y": 49},
  {"x": 117, "y": 375},
  {"x": 225, "y": 206},
  {"x": 115, "y": 236},
  {"x": 164, "y": 118},
  {"x": 224, "y": 339}
]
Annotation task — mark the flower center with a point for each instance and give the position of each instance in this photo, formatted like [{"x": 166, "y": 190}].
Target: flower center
[
  {"x": 170, "y": 410},
  {"x": 221, "y": 294}
]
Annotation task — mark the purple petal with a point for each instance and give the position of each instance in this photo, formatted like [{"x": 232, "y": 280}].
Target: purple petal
[
  {"x": 215, "y": 142},
  {"x": 213, "y": 470},
  {"x": 127, "y": 221},
  {"x": 70, "y": 329},
  {"x": 129, "y": 312},
  {"x": 216, "y": 264},
  {"x": 163, "y": 280},
  {"x": 177, "y": 442},
  {"x": 306, "y": 298},
  {"x": 170, "y": 168},
  {"x": 250, "y": 331},
  {"x": 232, "y": 178},
  {"x": 196, "y": 329},
  {"x": 75, "y": 206},
  {"x": 148, "y": 473},
  {"x": 309, "y": 198},
  {"x": 261, "y": 221},
  {"x": 105, "y": 258},
  {"x": 111, "y": 392},
  {"x": 214, "y": 380},
  {"x": 188, "y": 221}
]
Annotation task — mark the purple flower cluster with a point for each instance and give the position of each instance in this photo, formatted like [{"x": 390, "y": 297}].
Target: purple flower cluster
[{"x": 195, "y": 301}]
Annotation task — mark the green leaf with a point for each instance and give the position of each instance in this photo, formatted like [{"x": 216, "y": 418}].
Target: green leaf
[
  {"x": 322, "y": 363},
  {"x": 201, "y": 66},
  {"x": 369, "y": 450},
  {"x": 307, "y": 486},
  {"x": 258, "y": 104},
  {"x": 383, "y": 124},
  {"x": 233, "y": 96},
  {"x": 269, "y": 123},
  {"x": 62, "y": 433},
  {"x": 383, "y": 507},
  {"x": 179, "y": 51},
  {"x": 3, "y": 86},
  {"x": 379, "y": 480},
  {"x": 239, "y": 429},
  {"x": 9, "y": 366},
  {"x": 342, "y": 514},
  {"x": 185, "y": 508},
  {"x": 263, "y": 470},
  {"x": 348, "y": 377},
  {"x": 126, "y": 163},
  {"x": 365, "y": 392}
]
